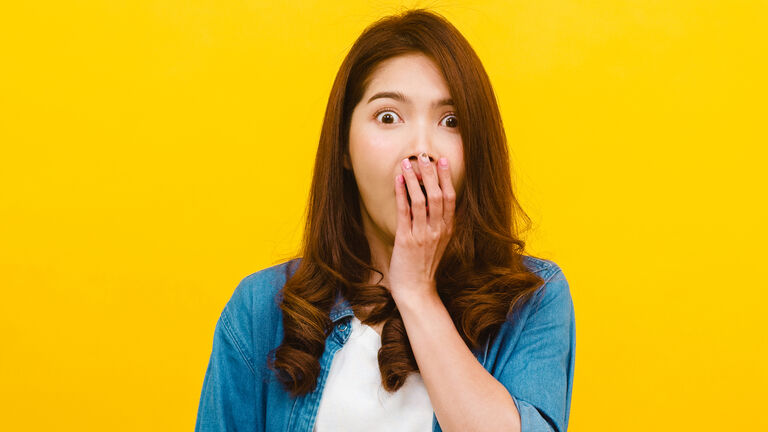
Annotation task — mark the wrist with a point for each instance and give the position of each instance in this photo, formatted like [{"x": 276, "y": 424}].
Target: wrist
[{"x": 414, "y": 299}]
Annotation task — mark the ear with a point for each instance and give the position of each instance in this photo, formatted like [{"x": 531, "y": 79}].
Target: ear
[{"x": 347, "y": 162}]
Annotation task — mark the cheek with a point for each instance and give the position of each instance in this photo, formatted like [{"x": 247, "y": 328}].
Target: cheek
[
  {"x": 372, "y": 170},
  {"x": 457, "y": 174},
  {"x": 370, "y": 140},
  {"x": 456, "y": 161},
  {"x": 370, "y": 162},
  {"x": 366, "y": 144},
  {"x": 371, "y": 153}
]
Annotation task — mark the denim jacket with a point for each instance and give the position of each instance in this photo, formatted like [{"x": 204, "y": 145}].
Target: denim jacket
[{"x": 532, "y": 355}]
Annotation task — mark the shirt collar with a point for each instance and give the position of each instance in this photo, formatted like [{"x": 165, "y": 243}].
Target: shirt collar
[{"x": 341, "y": 308}]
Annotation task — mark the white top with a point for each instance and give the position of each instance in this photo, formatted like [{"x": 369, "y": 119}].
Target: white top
[{"x": 353, "y": 398}]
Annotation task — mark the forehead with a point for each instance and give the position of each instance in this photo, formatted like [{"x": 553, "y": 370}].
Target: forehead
[{"x": 414, "y": 74}]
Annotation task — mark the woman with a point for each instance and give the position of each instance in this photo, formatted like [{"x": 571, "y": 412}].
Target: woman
[{"x": 411, "y": 305}]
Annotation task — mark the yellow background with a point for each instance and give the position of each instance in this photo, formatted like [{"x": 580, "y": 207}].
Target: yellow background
[{"x": 155, "y": 153}]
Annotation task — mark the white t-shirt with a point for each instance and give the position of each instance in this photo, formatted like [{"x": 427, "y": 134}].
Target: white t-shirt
[{"x": 353, "y": 398}]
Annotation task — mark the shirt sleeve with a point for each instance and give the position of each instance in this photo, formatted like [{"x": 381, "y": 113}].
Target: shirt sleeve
[
  {"x": 539, "y": 372},
  {"x": 226, "y": 401}
]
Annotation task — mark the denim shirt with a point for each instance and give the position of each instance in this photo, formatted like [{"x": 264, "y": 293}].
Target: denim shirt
[{"x": 532, "y": 355}]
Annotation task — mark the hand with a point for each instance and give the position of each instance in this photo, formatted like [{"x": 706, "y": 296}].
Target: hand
[{"x": 421, "y": 236}]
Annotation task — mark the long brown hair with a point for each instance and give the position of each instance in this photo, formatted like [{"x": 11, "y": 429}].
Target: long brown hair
[{"x": 481, "y": 278}]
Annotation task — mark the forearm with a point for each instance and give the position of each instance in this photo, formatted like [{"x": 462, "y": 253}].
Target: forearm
[{"x": 464, "y": 396}]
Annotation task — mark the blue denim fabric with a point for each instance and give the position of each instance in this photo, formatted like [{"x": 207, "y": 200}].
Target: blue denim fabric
[{"x": 532, "y": 355}]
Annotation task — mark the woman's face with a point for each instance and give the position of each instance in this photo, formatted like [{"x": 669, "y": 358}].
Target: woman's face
[{"x": 385, "y": 129}]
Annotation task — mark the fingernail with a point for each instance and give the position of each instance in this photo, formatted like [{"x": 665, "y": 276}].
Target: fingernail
[
  {"x": 406, "y": 164},
  {"x": 424, "y": 158},
  {"x": 443, "y": 161}
]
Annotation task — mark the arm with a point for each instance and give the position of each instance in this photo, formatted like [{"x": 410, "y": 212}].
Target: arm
[
  {"x": 465, "y": 397},
  {"x": 537, "y": 368},
  {"x": 227, "y": 400},
  {"x": 532, "y": 390}
]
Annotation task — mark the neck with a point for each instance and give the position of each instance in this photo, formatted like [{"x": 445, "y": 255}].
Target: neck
[{"x": 381, "y": 245}]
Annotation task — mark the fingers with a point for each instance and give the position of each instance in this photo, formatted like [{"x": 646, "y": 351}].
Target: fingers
[
  {"x": 434, "y": 194},
  {"x": 449, "y": 194},
  {"x": 403, "y": 212},
  {"x": 418, "y": 201}
]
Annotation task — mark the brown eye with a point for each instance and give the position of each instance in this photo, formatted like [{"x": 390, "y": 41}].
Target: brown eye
[
  {"x": 452, "y": 121},
  {"x": 387, "y": 117}
]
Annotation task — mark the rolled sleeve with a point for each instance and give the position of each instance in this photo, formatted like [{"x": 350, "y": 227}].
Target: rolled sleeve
[
  {"x": 539, "y": 372},
  {"x": 531, "y": 419}
]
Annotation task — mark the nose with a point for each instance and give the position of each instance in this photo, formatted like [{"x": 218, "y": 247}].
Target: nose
[
  {"x": 421, "y": 140},
  {"x": 416, "y": 164}
]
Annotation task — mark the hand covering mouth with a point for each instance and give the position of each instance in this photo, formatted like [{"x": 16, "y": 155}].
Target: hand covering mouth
[{"x": 423, "y": 190}]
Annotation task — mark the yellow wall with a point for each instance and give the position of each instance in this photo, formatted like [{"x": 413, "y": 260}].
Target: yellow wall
[{"x": 154, "y": 153}]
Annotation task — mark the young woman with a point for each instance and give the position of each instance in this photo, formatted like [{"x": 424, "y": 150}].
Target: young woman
[{"x": 411, "y": 306}]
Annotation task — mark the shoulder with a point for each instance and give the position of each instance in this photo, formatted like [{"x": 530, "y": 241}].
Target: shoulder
[
  {"x": 254, "y": 302},
  {"x": 260, "y": 286},
  {"x": 541, "y": 266},
  {"x": 555, "y": 291}
]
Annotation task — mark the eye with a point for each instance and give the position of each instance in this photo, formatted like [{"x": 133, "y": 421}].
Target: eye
[
  {"x": 388, "y": 117},
  {"x": 453, "y": 121}
]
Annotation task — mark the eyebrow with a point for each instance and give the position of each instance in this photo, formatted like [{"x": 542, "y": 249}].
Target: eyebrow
[{"x": 402, "y": 98}]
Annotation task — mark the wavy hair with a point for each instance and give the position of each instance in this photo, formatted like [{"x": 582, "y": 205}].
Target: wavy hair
[{"x": 481, "y": 277}]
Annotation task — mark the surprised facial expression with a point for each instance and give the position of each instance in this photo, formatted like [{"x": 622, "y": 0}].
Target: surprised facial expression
[{"x": 405, "y": 110}]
